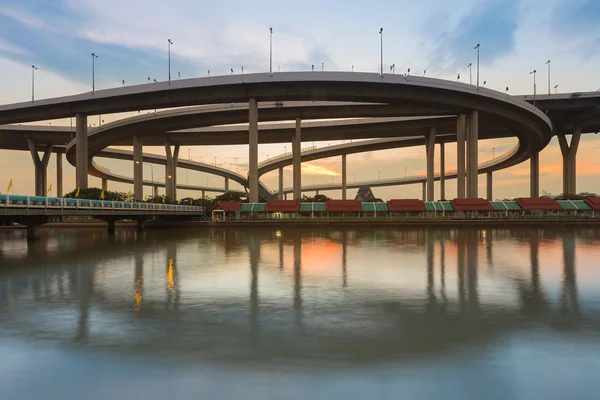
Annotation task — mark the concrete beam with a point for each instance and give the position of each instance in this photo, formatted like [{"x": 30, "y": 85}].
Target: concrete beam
[
  {"x": 461, "y": 126},
  {"x": 534, "y": 174},
  {"x": 472, "y": 156},
  {"x": 297, "y": 157},
  {"x": 442, "y": 172},
  {"x": 344, "y": 177},
  {"x": 138, "y": 168},
  {"x": 430, "y": 152},
  {"x": 253, "y": 151},
  {"x": 81, "y": 158}
]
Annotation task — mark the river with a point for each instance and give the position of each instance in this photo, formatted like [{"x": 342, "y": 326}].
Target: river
[{"x": 268, "y": 313}]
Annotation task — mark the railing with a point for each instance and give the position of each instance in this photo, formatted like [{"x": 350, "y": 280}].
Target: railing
[
  {"x": 16, "y": 201},
  {"x": 284, "y": 155}
]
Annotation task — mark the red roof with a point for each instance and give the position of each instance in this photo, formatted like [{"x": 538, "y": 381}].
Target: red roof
[
  {"x": 227, "y": 206},
  {"x": 406, "y": 205},
  {"x": 538, "y": 203},
  {"x": 282, "y": 205},
  {"x": 343, "y": 205},
  {"x": 593, "y": 202},
  {"x": 471, "y": 205}
]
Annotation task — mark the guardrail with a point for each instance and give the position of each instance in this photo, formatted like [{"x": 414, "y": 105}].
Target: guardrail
[
  {"x": 37, "y": 202},
  {"x": 284, "y": 155}
]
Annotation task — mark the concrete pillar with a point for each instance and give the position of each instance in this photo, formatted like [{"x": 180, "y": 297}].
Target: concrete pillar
[
  {"x": 253, "y": 151},
  {"x": 280, "y": 183},
  {"x": 442, "y": 172},
  {"x": 226, "y": 185},
  {"x": 59, "y": 175},
  {"x": 81, "y": 157},
  {"x": 461, "y": 126},
  {"x": 489, "y": 194},
  {"x": 41, "y": 167},
  {"x": 297, "y": 160},
  {"x": 430, "y": 151},
  {"x": 534, "y": 174},
  {"x": 424, "y": 195},
  {"x": 138, "y": 169},
  {"x": 569, "y": 154},
  {"x": 203, "y": 195},
  {"x": 472, "y": 156},
  {"x": 171, "y": 171},
  {"x": 105, "y": 185},
  {"x": 155, "y": 191},
  {"x": 344, "y": 177}
]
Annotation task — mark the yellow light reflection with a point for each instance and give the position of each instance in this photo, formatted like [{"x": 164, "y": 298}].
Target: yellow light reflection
[
  {"x": 137, "y": 295},
  {"x": 170, "y": 280}
]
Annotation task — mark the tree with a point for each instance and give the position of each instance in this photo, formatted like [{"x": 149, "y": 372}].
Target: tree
[
  {"x": 95, "y": 194},
  {"x": 319, "y": 198}
]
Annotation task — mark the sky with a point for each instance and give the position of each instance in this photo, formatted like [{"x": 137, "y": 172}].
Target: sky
[{"x": 438, "y": 36}]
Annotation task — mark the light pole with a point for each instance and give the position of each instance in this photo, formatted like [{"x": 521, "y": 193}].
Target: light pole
[
  {"x": 555, "y": 89},
  {"x": 322, "y": 67},
  {"x": 215, "y": 161},
  {"x": 33, "y": 68},
  {"x": 94, "y": 56},
  {"x": 405, "y": 176},
  {"x": 548, "y": 64},
  {"x": 470, "y": 73},
  {"x": 151, "y": 169},
  {"x": 494, "y": 153},
  {"x": 534, "y": 86},
  {"x": 354, "y": 178},
  {"x": 270, "y": 51},
  {"x": 477, "y": 48},
  {"x": 169, "y": 44},
  {"x": 189, "y": 154},
  {"x": 378, "y": 175},
  {"x": 381, "y": 35}
]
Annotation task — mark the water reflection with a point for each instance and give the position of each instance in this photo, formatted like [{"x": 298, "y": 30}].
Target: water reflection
[{"x": 307, "y": 298}]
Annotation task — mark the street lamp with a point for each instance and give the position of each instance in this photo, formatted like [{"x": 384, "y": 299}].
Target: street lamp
[
  {"x": 170, "y": 43},
  {"x": 534, "y": 86},
  {"x": 215, "y": 161},
  {"x": 94, "y": 56},
  {"x": 555, "y": 89},
  {"x": 322, "y": 67},
  {"x": 458, "y": 77},
  {"x": 477, "y": 48},
  {"x": 470, "y": 73},
  {"x": 405, "y": 176},
  {"x": 506, "y": 90},
  {"x": 408, "y": 73},
  {"x": 548, "y": 64},
  {"x": 494, "y": 153},
  {"x": 354, "y": 178},
  {"x": 379, "y": 175},
  {"x": 270, "y": 51},
  {"x": 381, "y": 35},
  {"x": 151, "y": 169},
  {"x": 33, "y": 68}
]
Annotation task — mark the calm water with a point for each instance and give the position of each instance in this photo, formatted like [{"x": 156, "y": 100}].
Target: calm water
[{"x": 299, "y": 314}]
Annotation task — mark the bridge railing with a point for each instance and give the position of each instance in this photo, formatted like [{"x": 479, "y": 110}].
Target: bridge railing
[
  {"x": 17, "y": 201},
  {"x": 284, "y": 155}
]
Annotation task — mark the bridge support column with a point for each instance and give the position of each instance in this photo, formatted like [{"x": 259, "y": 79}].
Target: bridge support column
[
  {"x": 472, "y": 156},
  {"x": 424, "y": 188},
  {"x": 430, "y": 151},
  {"x": 344, "y": 175},
  {"x": 138, "y": 168},
  {"x": 81, "y": 156},
  {"x": 154, "y": 191},
  {"x": 41, "y": 167},
  {"x": 203, "y": 194},
  {"x": 461, "y": 126},
  {"x": 442, "y": 172},
  {"x": 171, "y": 171},
  {"x": 280, "y": 183},
  {"x": 534, "y": 174},
  {"x": 253, "y": 151},
  {"x": 569, "y": 155},
  {"x": 297, "y": 160},
  {"x": 489, "y": 194},
  {"x": 59, "y": 175},
  {"x": 226, "y": 185}
]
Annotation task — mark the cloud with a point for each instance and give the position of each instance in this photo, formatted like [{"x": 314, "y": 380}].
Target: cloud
[{"x": 493, "y": 25}]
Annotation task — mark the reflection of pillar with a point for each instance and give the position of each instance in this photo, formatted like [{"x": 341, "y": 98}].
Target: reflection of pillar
[
  {"x": 81, "y": 150},
  {"x": 298, "y": 280},
  {"x": 534, "y": 174},
  {"x": 254, "y": 250},
  {"x": 138, "y": 168},
  {"x": 472, "y": 155},
  {"x": 297, "y": 160},
  {"x": 173, "y": 292},
  {"x": 472, "y": 250},
  {"x": 40, "y": 166},
  {"x": 533, "y": 297},
  {"x": 430, "y": 152},
  {"x": 83, "y": 292},
  {"x": 488, "y": 247},
  {"x": 138, "y": 288},
  {"x": 344, "y": 259},
  {"x": 569, "y": 295},
  {"x": 280, "y": 253},
  {"x": 253, "y": 151},
  {"x": 460, "y": 244},
  {"x": 280, "y": 183},
  {"x": 443, "y": 272},
  {"x": 59, "y": 175},
  {"x": 431, "y": 300},
  {"x": 442, "y": 172},
  {"x": 461, "y": 127},
  {"x": 569, "y": 154},
  {"x": 344, "y": 176}
]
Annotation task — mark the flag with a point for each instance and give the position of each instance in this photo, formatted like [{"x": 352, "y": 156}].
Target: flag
[
  {"x": 102, "y": 195},
  {"x": 145, "y": 197},
  {"x": 190, "y": 201},
  {"x": 10, "y": 186},
  {"x": 77, "y": 193},
  {"x": 49, "y": 189}
]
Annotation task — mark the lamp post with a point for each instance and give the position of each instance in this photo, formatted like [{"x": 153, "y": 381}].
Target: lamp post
[
  {"x": 354, "y": 178},
  {"x": 494, "y": 153},
  {"x": 534, "y": 86},
  {"x": 322, "y": 67},
  {"x": 151, "y": 169},
  {"x": 405, "y": 176},
  {"x": 470, "y": 73},
  {"x": 33, "y": 68},
  {"x": 548, "y": 64},
  {"x": 169, "y": 44},
  {"x": 94, "y": 56},
  {"x": 477, "y": 48},
  {"x": 381, "y": 35},
  {"x": 378, "y": 175},
  {"x": 555, "y": 88},
  {"x": 270, "y": 51}
]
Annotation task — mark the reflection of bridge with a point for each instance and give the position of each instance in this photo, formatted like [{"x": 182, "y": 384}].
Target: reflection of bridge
[{"x": 256, "y": 328}]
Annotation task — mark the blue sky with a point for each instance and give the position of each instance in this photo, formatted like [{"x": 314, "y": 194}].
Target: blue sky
[{"x": 130, "y": 38}]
